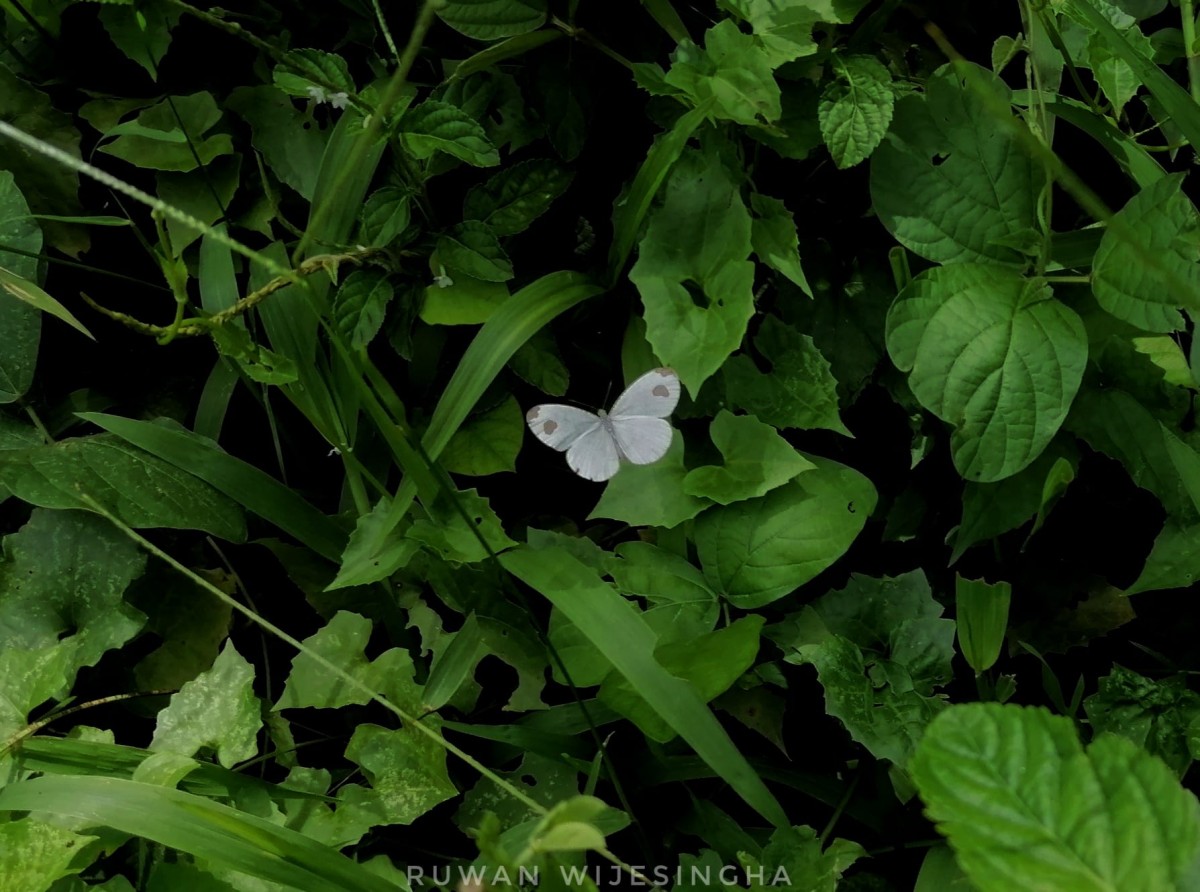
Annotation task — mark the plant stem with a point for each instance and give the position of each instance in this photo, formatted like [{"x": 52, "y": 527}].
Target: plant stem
[{"x": 1187, "y": 13}]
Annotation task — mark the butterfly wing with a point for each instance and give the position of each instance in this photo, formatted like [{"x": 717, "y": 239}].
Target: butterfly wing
[
  {"x": 559, "y": 427},
  {"x": 594, "y": 455},
  {"x": 642, "y": 440},
  {"x": 653, "y": 395}
]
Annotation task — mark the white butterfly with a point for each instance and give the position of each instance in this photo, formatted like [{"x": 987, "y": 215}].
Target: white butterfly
[{"x": 635, "y": 429}]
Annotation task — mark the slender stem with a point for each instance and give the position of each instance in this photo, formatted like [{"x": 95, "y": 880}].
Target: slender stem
[
  {"x": 32, "y": 728},
  {"x": 387, "y": 35},
  {"x": 1187, "y": 13}
]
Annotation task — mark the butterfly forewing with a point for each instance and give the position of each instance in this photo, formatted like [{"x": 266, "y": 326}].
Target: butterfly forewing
[
  {"x": 642, "y": 440},
  {"x": 653, "y": 395},
  {"x": 561, "y": 426}
]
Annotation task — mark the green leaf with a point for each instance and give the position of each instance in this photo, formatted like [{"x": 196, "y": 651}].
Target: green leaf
[
  {"x": 949, "y": 182},
  {"x": 801, "y": 856},
  {"x": 516, "y": 196},
  {"x": 386, "y": 214},
  {"x": 856, "y": 108},
  {"x": 21, "y": 323},
  {"x": 731, "y": 72},
  {"x": 774, "y": 239},
  {"x": 29, "y": 678},
  {"x": 290, "y": 145},
  {"x": 205, "y": 194},
  {"x": 190, "y": 624},
  {"x": 493, "y": 19},
  {"x": 487, "y": 443},
  {"x": 34, "y": 854},
  {"x": 1165, "y": 352},
  {"x": 217, "y": 709},
  {"x": 360, "y": 305},
  {"x": 1119, "y": 821},
  {"x": 453, "y": 536},
  {"x": 1156, "y": 715},
  {"x": 680, "y": 605},
  {"x": 613, "y": 625},
  {"x": 161, "y": 139},
  {"x": 981, "y": 611},
  {"x": 1159, "y": 222},
  {"x": 799, "y": 390},
  {"x": 471, "y": 248},
  {"x": 63, "y": 580},
  {"x": 462, "y": 301},
  {"x": 142, "y": 34},
  {"x": 757, "y": 551},
  {"x": 538, "y": 363},
  {"x": 435, "y": 126},
  {"x": 1114, "y": 75},
  {"x": 651, "y": 495},
  {"x": 1174, "y": 562},
  {"x": 343, "y": 641},
  {"x": 757, "y": 460},
  {"x": 407, "y": 771},
  {"x": 992, "y": 354},
  {"x": 710, "y": 662},
  {"x": 693, "y": 271},
  {"x": 783, "y": 32},
  {"x": 880, "y": 647},
  {"x": 142, "y": 490},
  {"x": 303, "y": 72}
]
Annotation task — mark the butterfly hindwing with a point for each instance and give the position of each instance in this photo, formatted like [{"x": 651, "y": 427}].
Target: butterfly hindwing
[
  {"x": 594, "y": 455},
  {"x": 654, "y": 395},
  {"x": 642, "y": 440},
  {"x": 561, "y": 426}
]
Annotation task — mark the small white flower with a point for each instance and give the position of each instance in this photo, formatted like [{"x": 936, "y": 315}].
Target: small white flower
[
  {"x": 339, "y": 100},
  {"x": 317, "y": 94},
  {"x": 442, "y": 280}
]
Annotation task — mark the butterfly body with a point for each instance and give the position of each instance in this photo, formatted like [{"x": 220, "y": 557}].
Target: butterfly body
[{"x": 596, "y": 443}]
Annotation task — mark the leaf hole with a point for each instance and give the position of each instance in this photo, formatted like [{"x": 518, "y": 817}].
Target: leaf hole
[{"x": 696, "y": 293}]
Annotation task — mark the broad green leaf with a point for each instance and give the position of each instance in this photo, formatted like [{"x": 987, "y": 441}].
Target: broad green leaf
[
  {"x": 435, "y": 126},
  {"x": 21, "y": 323},
  {"x": 856, "y": 108},
  {"x": 204, "y": 193},
  {"x": 881, "y": 647},
  {"x": 34, "y": 854},
  {"x": 948, "y": 181},
  {"x": 455, "y": 537},
  {"x": 939, "y": 871},
  {"x": 1165, "y": 352},
  {"x": 516, "y": 196},
  {"x": 981, "y": 614},
  {"x": 360, "y": 305},
  {"x": 798, "y": 390},
  {"x": 797, "y": 858},
  {"x": 1118, "y": 819},
  {"x": 710, "y": 663},
  {"x": 538, "y": 363},
  {"x": 487, "y": 443},
  {"x": 731, "y": 72},
  {"x": 615, "y": 628},
  {"x": 255, "y": 361},
  {"x": 208, "y": 830},
  {"x": 142, "y": 490},
  {"x": 343, "y": 641},
  {"x": 48, "y": 186},
  {"x": 783, "y": 31},
  {"x": 250, "y": 487},
  {"x": 217, "y": 710},
  {"x": 63, "y": 579},
  {"x": 992, "y": 354},
  {"x": 190, "y": 623},
  {"x": 161, "y": 141},
  {"x": 1114, "y": 75},
  {"x": 651, "y": 495},
  {"x": 680, "y": 605},
  {"x": 472, "y": 249},
  {"x": 493, "y": 19},
  {"x": 386, "y": 214},
  {"x": 407, "y": 771},
  {"x": 289, "y": 144},
  {"x": 29, "y": 678},
  {"x": 462, "y": 301},
  {"x": 1156, "y": 715},
  {"x": 305, "y": 72},
  {"x": 1174, "y": 562},
  {"x": 773, "y": 237},
  {"x": 144, "y": 34},
  {"x": 759, "y": 550},
  {"x": 1159, "y": 222},
  {"x": 757, "y": 460},
  {"x": 693, "y": 271}
]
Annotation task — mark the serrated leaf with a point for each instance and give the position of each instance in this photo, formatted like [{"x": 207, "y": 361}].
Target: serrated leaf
[
  {"x": 435, "y": 126},
  {"x": 992, "y": 354},
  {"x": 455, "y": 537},
  {"x": 731, "y": 72},
  {"x": 471, "y": 248},
  {"x": 360, "y": 305},
  {"x": 516, "y": 196},
  {"x": 487, "y": 443},
  {"x": 217, "y": 709},
  {"x": 386, "y": 214},
  {"x": 142, "y": 490},
  {"x": 493, "y": 19},
  {"x": 948, "y": 181},
  {"x": 301, "y": 72},
  {"x": 693, "y": 271},
  {"x": 1156, "y": 715},
  {"x": 757, "y": 460},
  {"x": 1119, "y": 820},
  {"x": 803, "y": 857},
  {"x": 759, "y": 550},
  {"x": 856, "y": 108},
  {"x": 1160, "y": 222},
  {"x": 773, "y": 236}
]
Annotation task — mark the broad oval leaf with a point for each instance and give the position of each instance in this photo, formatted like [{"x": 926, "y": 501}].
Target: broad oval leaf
[
  {"x": 473, "y": 249},
  {"x": 951, "y": 183},
  {"x": 360, "y": 305},
  {"x": 493, "y": 19},
  {"x": 21, "y": 323},
  {"x": 435, "y": 126},
  {"x": 992, "y": 354}
]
